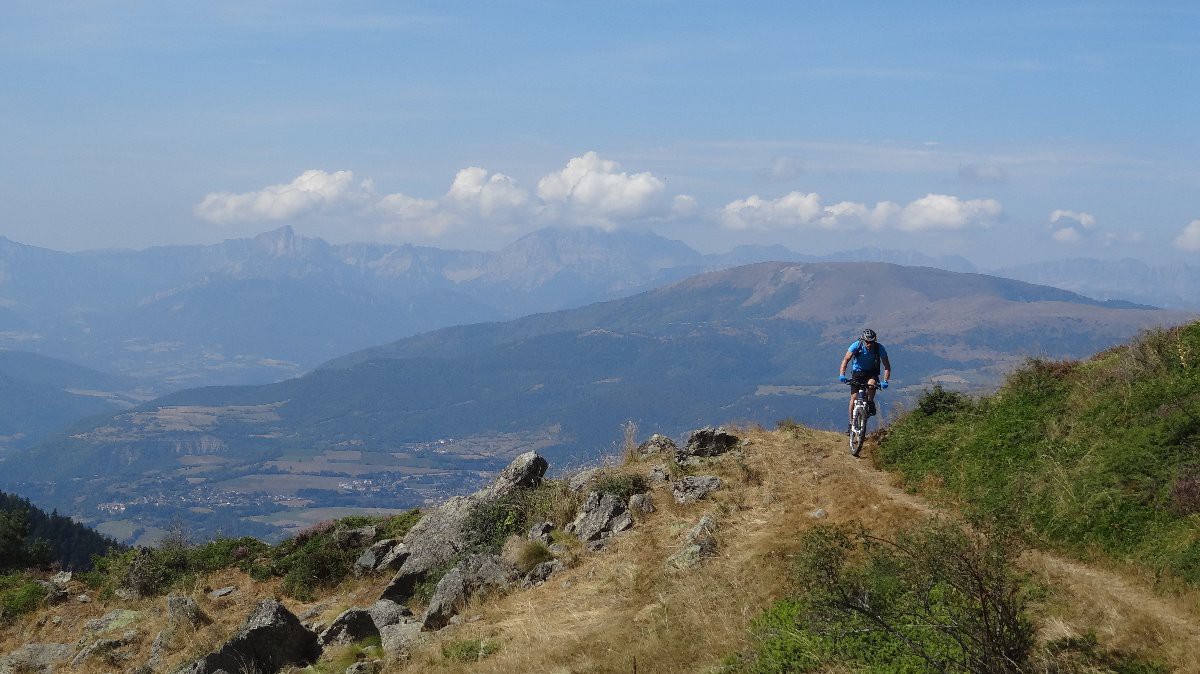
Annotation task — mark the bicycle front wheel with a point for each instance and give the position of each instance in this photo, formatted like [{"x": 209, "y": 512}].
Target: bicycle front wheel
[{"x": 858, "y": 423}]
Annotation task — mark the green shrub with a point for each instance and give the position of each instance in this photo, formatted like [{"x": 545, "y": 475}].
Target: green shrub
[
  {"x": 931, "y": 599},
  {"x": 315, "y": 558},
  {"x": 396, "y": 526},
  {"x": 19, "y": 594},
  {"x": 940, "y": 401},
  {"x": 469, "y": 650},
  {"x": 622, "y": 485}
]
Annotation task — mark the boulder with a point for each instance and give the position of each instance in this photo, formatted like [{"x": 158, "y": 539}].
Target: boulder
[
  {"x": 439, "y": 537},
  {"x": 581, "y": 479},
  {"x": 706, "y": 442},
  {"x": 356, "y": 538},
  {"x": 35, "y": 659},
  {"x": 692, "y": 488},
  {"x": 109, "y": 649},
  {"x": 660, "y": 474},
  {"x": 699, "y": 543},
  {"x": 540, "y": 533},
  {"x": 112, "y": 621},
  {"x": 372, "y": 558},
  {"x": 541, "y": 573},
  {"x": 657, "y": 444},
  {"x": 473, "y": 575},
  {"x": 397, "y": 639},
  {"x": 350, "y": 627},
  {"x": 641, "y": 504},
  {"x": 184, "y": 612},
  {"x": 271, "y": 639},
  {"x": 222, "y": 592},
  {"x": 600, "y": 516},
  {"x": 386, "y": 613}
]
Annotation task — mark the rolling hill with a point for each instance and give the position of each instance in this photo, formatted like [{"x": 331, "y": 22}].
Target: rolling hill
[{"x": 414, "y": 420}]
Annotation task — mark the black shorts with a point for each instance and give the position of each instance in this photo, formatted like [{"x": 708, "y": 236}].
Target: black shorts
[{"x": 858, "y": 380}]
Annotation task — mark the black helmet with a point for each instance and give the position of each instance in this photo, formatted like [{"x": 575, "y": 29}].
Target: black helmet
[{"x": 868, "y": 335}]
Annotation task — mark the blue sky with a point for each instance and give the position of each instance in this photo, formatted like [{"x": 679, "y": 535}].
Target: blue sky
[{"x": 1006, "y": 132}]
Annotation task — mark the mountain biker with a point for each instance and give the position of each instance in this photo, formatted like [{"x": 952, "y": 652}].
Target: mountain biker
[{"x": 865, "y": 356}]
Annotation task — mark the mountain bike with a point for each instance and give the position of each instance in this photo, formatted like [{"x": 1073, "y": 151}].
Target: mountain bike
[{"x": 858, "y": 419}]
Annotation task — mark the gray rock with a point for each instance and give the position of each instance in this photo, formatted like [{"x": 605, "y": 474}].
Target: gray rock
[
  {"x": 105, "y": 648},
  {"x": 581, "y": 479},
  {"x": 439, "y": 536},
  {"x": 472, "y": 576},
  {"x": 35, "y": 659},
  {"x": 356, "y": 538},
  {"x": 271, "y": 639},
  {"x": 61, "y": 578},
  {"x": 660, "y": 474},
  {"x": 365, "y": 667},
  {"x": 393, "y": 559},
  {"x": 350, "y": 627},
  {"x": 600, "y": 516},
  {"x": 112, "y": 621},
  {"x": 706, "y": 442},
  {"x": 818, "y": 514},
  {"x": 386, "y": 612},
  {"x": 540, "y": 532},
  {"x": 370, "y": 559},
  {"x": 222, "y": 592},
  {"x": 699, "y": 543},
  {"x": 541, "y": 573},
  {"x": 692, "y": 488},
  {"x": 184, "y": 612},
  {"x": 657, "y": 444},
  {"x": 83, "y": 599},
  {"x": 642, "y": 504},
  {"x": 399, "y": 638}
]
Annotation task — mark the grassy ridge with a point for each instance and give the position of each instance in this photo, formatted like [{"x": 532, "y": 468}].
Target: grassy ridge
[{"x": 1100, "y": 456}]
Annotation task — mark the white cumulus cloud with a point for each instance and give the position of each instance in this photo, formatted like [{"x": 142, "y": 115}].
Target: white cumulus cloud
[
  {"x": 945, "y": 212},
  {"x": 1189, "y": 238},
  {"x": 592, "y": 190},
  {"x": 496, "y": 195},
  {"x": 1085, "y": 220},
  {"x": 1067, "y": 235},
  {"x": 797, "y": 209},
  {"x": 311, "y": 191}
]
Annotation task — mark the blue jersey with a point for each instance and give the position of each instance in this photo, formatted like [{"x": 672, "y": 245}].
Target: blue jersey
[{"x": 863, "y": 359}]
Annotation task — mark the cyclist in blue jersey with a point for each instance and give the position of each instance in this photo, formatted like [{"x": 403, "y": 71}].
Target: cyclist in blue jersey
[{"x": 865, "y": 357}]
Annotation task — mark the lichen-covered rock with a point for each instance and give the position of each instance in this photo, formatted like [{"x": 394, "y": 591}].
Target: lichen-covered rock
[
  {"x": 399, "y": 638},
  {"x": 600, "y": 516},
  {"x": 112, "y": 621},
  {"x": 660, "y": 474},
  {"x": 657, "y": 444},
  {"x": 692, "y": 488},
  {"x": 440, "y": 536},
  {"x": 473, "y": 575},
  {"x": 109, "y": 649},
  {"x": 271, "y": 639},
  {"x": 184, "y": 612},
  {"x": 706, "y": 442},
  {"x": 582, "y": 478}
]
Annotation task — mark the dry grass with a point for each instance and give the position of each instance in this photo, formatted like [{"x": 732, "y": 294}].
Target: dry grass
[{"x": 622, "y": 610}]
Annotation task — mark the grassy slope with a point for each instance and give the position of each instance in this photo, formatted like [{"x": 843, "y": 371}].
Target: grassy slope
[
  {"x": 1092, "y": 457},
  {"x": 622, "y": 606}
]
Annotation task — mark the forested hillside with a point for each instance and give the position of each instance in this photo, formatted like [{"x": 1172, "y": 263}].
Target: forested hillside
[{"x": 30, "y": 536}]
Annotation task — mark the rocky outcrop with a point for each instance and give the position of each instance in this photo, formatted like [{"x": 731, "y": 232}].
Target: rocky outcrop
[
  {"x": 111, "y": 650},
  {"x": 600, "y": 516},
  {"x": 692, "y": 488},
  {"x": 541, "y": 573},
  {"x": 582, "y": 478},
  {"x": 439, "y": 537},
  {"x": 271, "y": 639},
  {"x": 641, "y": 504},
  {"x": 705, "y": 442},
  {"x": 540, "y": 533},
  {"x": 184, "y": 613},
  {"x": 35, "y": 659},
  {"x": 657, "y": 444},
  {"x": 472, "y": 576},
  {"x": 385, "y": 613}
]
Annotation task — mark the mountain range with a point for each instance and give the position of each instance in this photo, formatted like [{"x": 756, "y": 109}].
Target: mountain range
[{"x": 424, "y": 417}]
